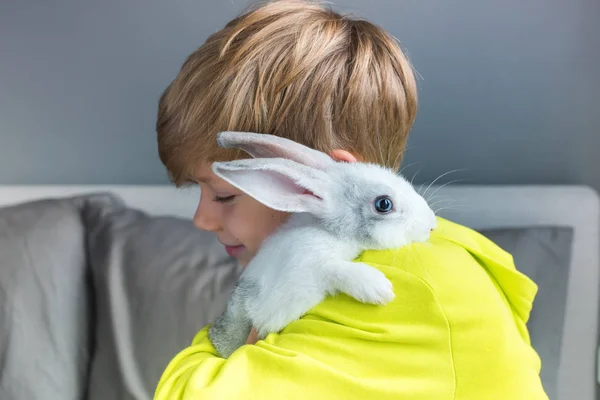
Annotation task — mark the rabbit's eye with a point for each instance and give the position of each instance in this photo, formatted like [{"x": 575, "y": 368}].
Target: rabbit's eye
[{"x": 383, "y": 204}]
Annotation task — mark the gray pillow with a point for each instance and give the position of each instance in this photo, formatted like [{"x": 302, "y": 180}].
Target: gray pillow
[
  {"x": 44, "y": 304},
  {"x": 158, "y": 281},
  {"x": 544, "y": 255}
]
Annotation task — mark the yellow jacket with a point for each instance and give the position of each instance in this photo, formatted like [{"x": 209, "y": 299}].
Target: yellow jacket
[{"x": 456, "y": 330}]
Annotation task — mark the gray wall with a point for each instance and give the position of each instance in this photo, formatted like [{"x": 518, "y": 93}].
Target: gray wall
[{"x": 509, "y": 91}]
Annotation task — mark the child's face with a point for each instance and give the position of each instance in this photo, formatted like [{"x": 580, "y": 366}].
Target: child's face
[{"x": 240, "y": 222}]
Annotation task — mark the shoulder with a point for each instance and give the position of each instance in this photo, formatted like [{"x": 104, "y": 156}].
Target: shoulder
[
  {"x": 452, "y": 248},
  {"x": 468, "y": 275}
]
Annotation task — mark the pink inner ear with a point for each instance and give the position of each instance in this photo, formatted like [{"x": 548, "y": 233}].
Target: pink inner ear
[
  {"x": 289, "y": 186},
  {"x": 306, "y": 191}
]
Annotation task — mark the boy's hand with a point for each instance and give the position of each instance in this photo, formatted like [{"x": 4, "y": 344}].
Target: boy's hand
[{"x": 252, "y": 337}]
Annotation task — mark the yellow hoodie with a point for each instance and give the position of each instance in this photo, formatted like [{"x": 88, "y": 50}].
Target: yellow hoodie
[{"x": 456, "y": 330}]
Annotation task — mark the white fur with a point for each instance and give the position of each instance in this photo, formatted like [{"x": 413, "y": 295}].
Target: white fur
[
  {"x": 310, "y": 256},
  {"x": 298, "y": 266}
]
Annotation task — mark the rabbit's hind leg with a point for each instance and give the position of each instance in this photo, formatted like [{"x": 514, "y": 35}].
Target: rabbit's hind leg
[{"x": 232, "y": 327}]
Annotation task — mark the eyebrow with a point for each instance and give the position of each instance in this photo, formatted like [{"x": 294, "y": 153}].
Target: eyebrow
[{"x": 203, "y": 180}]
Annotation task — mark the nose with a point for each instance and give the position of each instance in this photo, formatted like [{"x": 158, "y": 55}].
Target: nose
[
  {"x": 207, "y": 217},
  {"x": 434, "y": 222}
]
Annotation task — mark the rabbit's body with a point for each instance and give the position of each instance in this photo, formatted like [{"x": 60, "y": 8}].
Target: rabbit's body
[
  {"x": 338, "y": 211},
  {"x": 295, "y": 269},
  {"x": 306, "y": 263}
]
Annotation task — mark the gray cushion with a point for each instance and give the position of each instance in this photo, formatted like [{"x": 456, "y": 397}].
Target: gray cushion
[
  {"x": 544, "y": 255},
  {"x": 158, "y": 281},
  {"x": 44, "y": 304}
]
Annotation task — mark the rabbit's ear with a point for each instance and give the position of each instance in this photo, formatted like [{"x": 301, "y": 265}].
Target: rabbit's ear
[
  {"x": 262, "y": 145},
  {"x": 278, "y": 183}
]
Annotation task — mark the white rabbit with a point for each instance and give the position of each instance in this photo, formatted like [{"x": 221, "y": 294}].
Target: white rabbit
[{"x": 338, "y": 210}]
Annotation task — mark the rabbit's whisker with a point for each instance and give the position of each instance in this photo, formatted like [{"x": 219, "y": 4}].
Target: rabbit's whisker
[{"x": 441, "y": 176}]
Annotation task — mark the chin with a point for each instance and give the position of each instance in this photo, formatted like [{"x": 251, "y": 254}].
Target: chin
[
  {"x": 391, "y": 239},
  {"x": 244, "y": 260}
]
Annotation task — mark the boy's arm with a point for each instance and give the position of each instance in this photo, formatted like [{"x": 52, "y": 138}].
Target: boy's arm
[
  {"x": 261, "y": 371},
  {"x": 341, "y": 350},
  {"x": 264, "y": 370}
]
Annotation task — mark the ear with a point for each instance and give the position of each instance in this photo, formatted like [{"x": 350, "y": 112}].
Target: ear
[
  {"x": 262, "y": 145},
  {"x": 278, "y": 183}
]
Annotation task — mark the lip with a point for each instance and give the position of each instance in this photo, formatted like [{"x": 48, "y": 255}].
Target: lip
[{"x": 234, "y": 251}]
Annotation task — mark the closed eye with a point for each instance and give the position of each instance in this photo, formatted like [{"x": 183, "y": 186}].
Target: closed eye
[{"x": 225, "y": 199}]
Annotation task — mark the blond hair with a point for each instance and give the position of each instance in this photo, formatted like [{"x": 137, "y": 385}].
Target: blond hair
[{"x": 294, "y": 69}]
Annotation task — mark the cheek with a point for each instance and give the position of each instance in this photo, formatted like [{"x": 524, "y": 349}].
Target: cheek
[
  {"x": 270, "y": 221},
  {"x": 252, "y": 222}
]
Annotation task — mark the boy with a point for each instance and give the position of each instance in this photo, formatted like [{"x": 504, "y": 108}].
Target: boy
[{"x": 457, "y": 328}]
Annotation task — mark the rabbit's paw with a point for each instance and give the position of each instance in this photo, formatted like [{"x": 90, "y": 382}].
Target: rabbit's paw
[{"x": 366, "y": 284}]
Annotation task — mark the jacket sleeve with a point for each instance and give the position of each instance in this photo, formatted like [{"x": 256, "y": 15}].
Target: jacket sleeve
[
  {"x": 263, "y": 371},
  {"x": 342, "y": 349}
]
